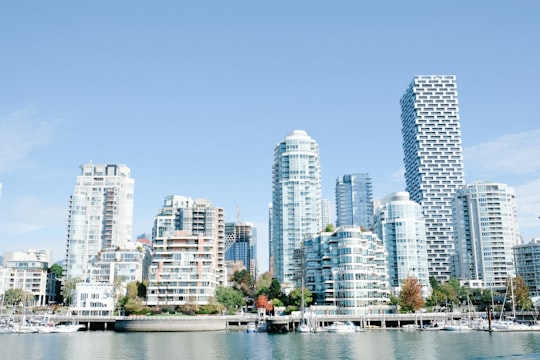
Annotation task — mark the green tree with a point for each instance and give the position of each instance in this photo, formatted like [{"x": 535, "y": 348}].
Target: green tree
[
  {"x": 434, "y": 283},
  {"x": 274, "y": 291},
  {"x": 481, "y": 298},
  {"x": 213, "y": 307},
  {"x": 13, "y": 296},
  {"x": 243, "y": 281},
  {"x": 141, "y": 289},
  {"x": 132, "y": 290},
  {"x": 263, "y": 284},
  {"x": 69, "y": 288},
  {"x": 521, "y": 293},
  {"x": 450, "y": 294},
  {"x": 57, "y": 270},
  {"x": 230, "y": 298},
  {"x": 394, "y": 300},
  {"x": 295, "y": 297},
  {"x": 410, "y": 296},
  {"x": 133, "y": 306},
  {"x": 330, "y": 228}
]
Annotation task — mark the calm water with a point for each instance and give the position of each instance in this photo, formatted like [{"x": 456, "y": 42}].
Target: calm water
[{"x": 390, "y": 344}]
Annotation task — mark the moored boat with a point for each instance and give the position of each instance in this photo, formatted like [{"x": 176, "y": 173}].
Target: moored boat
[{"x": 342, "y": 327}]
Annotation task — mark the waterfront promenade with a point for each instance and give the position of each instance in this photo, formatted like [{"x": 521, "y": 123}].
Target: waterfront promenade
[{"x": 237, "y": 322}]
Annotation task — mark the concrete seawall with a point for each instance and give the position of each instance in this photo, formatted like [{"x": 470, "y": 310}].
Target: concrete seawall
[{"x": 164, "y": 324}]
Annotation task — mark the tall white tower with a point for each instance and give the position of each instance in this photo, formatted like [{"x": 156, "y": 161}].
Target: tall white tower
[
  {"x": 400, "y": 225},
  {"x": 433, "y": 160},
  {"x": 486, "y": 229},
  {"x": 100, "y": 216},
  {"x": 296, "y": 201}
]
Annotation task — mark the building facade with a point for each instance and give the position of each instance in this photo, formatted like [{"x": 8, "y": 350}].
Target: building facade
[
  {"x": 433, "y": 159},
  {"x": 527, "y": 265},
  {"x": 27, "y": 271},
  {"x": 296, "y": 201},
  {"x": 189, "y": 257},
  {"x": 348, "y": 271},
  {"x": 400, "y": 225},
  {"x": 486, "y": 229},
  {"x": 93, "y": 299},
  {"x": 240, "y": 245},
  {"x": 122, "y": 266},
  {"x": 325, "y": 213},
  {"x": 100, "y": 216},
  {"x": 354, "y": 200}
]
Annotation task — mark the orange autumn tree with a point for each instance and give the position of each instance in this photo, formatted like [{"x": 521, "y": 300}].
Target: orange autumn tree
[
  {"x": 263, "y": 303},
  {"x": 410, "y": 297}
]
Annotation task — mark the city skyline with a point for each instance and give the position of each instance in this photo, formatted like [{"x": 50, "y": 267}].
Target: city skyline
[{"x": 193, "y": 99}]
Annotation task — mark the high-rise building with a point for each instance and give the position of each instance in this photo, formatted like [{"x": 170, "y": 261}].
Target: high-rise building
[
  {"x": 528, "y": 267},
  {"x": 433, "y": 161},
  {"x": 100, "y": 216},
  {"x": 325, "y": 212},
  {"x": 399, "y": 223},
  {"x": 486, "y": 229},
  {"x": 240, "y": 245},
  {"x": 354, "y": 200},
  {"x": 296, "y": 201},
  {"x": 189, "y": 253}
]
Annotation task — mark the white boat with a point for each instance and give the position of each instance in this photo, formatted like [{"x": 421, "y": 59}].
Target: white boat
[
  {"x": 251, "y": 328},
  {"x": 409, "y": 327},
  {"x": 460, "y": 326},
  {"x": 509, "y": 325},
  {"x": 303, "y": 328},
  {"x": 67, "y": 328},
  {"x": 435, "y": 326},
  {"x": 261, "y": 326},
  {"x": 342, "y": 327}
]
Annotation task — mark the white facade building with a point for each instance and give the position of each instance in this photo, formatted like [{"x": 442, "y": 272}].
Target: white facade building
[
  {"x": 93, "y": 299},
  {"x": 100, "y": 216},
  {"x": 527, "y": 264},
  {"x": 26, "y": 271},
  {"x": 296, "y": 201},
  {"x": 189, "y": 257},
  {"x": 433, "y": 161},
  {"x": 486, "y": 229},
  {"x": 122, "y": 265},
  {"x": 347, "y": 270},
  {"x": 400, "y": 224}
]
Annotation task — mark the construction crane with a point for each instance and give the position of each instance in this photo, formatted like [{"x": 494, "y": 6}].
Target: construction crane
[{"x": 531, "y": 211}]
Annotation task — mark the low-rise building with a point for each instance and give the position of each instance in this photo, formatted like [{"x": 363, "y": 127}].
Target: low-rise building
[
  {"x": 26, "y": 271},
  {"x": 93, "y": 299},
  {"x": 347, "y": 269}
]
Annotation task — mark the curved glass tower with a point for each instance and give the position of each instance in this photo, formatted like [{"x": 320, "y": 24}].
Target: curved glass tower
[{"x": 296, "y": 201}]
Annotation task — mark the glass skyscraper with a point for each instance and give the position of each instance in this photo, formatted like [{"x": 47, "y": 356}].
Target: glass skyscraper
[
  {"x": 486, "y": 229},
  {"x": 433, "y": 161},
  {"x": 354, "y": 200},
  {"x": 100, "y": 216},
  {"x": 240, "y": 241},
  {"x": 296, "y": 201}
]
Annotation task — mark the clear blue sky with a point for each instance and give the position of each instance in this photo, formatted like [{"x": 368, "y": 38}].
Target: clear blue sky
[{"x": 194, "y": 96}]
